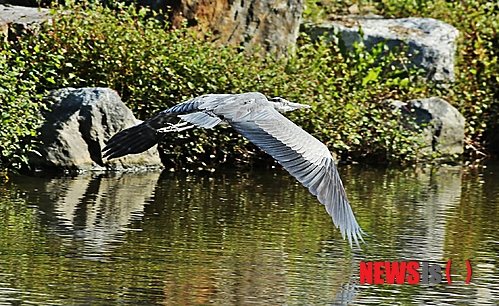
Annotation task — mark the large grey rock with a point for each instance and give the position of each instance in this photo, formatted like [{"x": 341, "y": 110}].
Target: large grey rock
[
  {"x": 269, "y": 24},
  {"x": 21, "y": 18},
  {"x": 441, "y": 124},
  {"x": 77, "y": 126},
  {"x": 432, "y": 43}
]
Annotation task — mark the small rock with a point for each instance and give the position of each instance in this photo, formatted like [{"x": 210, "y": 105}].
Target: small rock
[
  {"x": 442, "y": 125},
  {"x": 76, "y": 127},
  {"x": 22, "y": 18}
]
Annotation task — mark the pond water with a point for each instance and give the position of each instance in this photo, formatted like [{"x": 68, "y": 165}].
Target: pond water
[{"x": 244, "y": 237}]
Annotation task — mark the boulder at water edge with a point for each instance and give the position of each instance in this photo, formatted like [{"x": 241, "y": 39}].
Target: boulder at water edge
[
  {"x": 440, "y": 123},
  {"x": 77, "y": 125}
]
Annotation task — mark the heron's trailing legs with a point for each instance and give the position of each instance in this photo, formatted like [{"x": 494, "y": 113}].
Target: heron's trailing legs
[{"x": 179, "y": 127}]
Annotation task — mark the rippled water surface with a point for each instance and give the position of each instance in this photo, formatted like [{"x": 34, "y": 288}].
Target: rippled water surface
[{"x": 244, "y": 237}]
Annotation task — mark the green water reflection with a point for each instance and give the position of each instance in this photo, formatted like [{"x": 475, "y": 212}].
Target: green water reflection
[{"x": 238, "y": 238}]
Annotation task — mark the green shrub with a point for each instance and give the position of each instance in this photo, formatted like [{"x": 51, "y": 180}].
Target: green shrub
[
  {"x": 153, "y": 67},
  {"x": 18, "y": 109},
  {"x": 476, "y": 90}
]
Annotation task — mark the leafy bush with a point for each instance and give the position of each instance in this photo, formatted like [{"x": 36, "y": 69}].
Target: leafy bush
[
  {"x": 18, "y": 109},
  {"x": 153, "y": 67},
  {"x": 476, "y": 90}
]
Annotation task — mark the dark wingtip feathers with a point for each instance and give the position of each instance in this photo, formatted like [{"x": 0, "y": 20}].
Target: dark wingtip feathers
[{"x": 136, "y": 139}]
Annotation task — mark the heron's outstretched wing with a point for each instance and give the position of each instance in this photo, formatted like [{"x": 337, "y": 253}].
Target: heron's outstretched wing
[
  {"x": 143, "y": 136},
  {"x": 304, "y": 157}
]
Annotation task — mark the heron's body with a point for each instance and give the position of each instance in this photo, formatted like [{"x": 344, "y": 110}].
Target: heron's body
[{"x": 258, "y": 119}]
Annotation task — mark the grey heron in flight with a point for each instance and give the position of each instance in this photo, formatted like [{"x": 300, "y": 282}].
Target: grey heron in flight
[{"x": 259, "y": 120}]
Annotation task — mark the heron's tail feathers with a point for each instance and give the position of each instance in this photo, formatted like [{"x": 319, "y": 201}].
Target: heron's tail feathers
[{"x": 135, "y": 139}]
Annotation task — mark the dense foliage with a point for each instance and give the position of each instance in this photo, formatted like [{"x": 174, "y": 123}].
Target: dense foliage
[
  {"x": 19, "y": 105},
  {"x": 152, "y": 66},
  {"x": 476, "y": 90}
]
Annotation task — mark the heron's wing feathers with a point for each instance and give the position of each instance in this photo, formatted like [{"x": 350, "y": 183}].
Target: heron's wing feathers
[
  {"x": 143, "y": 136},
  {"x": 197, "y": 103},
  {"x": 205, "y": 120},
  {"x": 140, "y": 137},
  {"x": 307, "y": 159}
]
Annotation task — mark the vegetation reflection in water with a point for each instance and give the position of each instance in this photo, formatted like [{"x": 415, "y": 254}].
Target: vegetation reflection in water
[{"x": 236, "y": 237}]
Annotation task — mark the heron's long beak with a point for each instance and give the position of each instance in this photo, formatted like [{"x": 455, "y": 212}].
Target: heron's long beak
[
  {"x": 291, "y": 106},
  {"x": 298, "y": 105}
]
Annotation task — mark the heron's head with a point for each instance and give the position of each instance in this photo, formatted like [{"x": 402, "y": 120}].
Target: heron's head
[{"x": 282, "y": 105}]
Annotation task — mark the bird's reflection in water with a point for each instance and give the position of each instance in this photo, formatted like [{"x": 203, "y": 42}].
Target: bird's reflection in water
[{"x": 92, "y": 210}]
